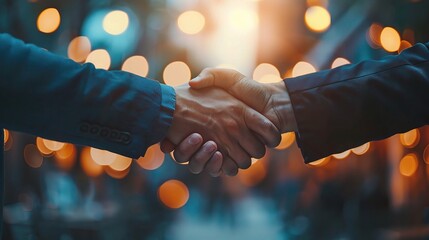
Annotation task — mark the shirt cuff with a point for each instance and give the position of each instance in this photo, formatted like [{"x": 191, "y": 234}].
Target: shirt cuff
[{"x": 168, "y": 105}]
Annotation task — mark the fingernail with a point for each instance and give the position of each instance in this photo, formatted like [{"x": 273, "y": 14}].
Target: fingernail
[
  {"x": 194, "y": 139},
  {"x": 210, "y": 147}
]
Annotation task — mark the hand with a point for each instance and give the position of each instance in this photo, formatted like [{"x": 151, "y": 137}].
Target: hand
[{"x": 239, "y": 131}]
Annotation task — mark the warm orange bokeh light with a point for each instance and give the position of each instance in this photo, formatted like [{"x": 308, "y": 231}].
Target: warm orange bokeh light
[
  {"x": 408, "y": 165},
  {"x": 266, "y": 73},
  {"x": 340, "y": 62},
  {"x": 79, "y": 49},
  {"x": 100, "y": 58},
  {"x": 42, "y": 148},
  {"x": 116, "y": 22},
  {"x": 302, "y": 68},
  {"x": 177, "y": 73},
  {"x": 342, "y": 155},
  {"x": 173, "y": 194},
  {"x": 361, "y": 150},
  {"x": 287, "y": 140},
  {"x": 253, "y": 175},
  {"x": 88, "y": 165},
  {"x": 390, "y": 39},
  {"x": 137, "y": 65},
  {"x": 404, "y": 45},
  {"x": 374, "y": 34},
  {"x": 153, "y": 158},
  {"x": 6, "y": 136},
  {"x": 191, "y": 22},
  {"x": 32, "y": 156},
  {"x": 317, "y": 19},
  {"x": 321, "y": 162},
  {"x": 53, "y": 145},
  {"x": 410, "y": 139},
  {"x": 243, "y": 20},
  {"x": 66, "y": 157},
  {"x": 49, "y": 20},
  {"x": 116, "y": 174},
  {"x": 121, "y": 163},
  {"x": 426, "y": 155},
  {"x": 102, "y": 157}
]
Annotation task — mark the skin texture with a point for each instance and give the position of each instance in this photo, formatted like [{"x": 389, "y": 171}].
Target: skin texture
[{"x": 224, "y": 123}]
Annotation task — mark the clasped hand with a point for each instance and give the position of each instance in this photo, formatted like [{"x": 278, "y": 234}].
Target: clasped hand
[{"x": 223, "y": 119}]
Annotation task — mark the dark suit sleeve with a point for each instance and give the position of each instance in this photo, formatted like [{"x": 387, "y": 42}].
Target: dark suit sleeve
[
  {"x": 342, "y": 108},
  {"x": 53, "y": 97}
]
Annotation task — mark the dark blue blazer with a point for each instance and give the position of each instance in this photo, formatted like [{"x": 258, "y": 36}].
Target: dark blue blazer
[
  {"x": 342, "y": 108},
  {"x": 53, "y": 97}
]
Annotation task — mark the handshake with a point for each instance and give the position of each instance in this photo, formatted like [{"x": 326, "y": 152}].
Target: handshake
[{"x": 223, "y": 119}]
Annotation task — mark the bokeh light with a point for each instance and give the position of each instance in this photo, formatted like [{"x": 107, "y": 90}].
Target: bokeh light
[
  {"x": 173, "y": 194},
  {"x": 361, "y": 150},
  {"x": 340, "y": 62},
  {"x": 79, "y": 49},
  {"x": 408, "y": 165},
  {"x": 116, "y": 22},
  {"x": 426, "y": 155},
  {"x": 374, "y": 34},
  {"x": 404, "y": 45},
  {"x": 91, "y": 168},
  {"x": 52, "y": 145},
  {"x": 66, "y": 157},
  {"x": 6, "y": 135},
  {"x": 102, "y": 157},
  {"x": 390, "y": 39},
  {"x": 42, "y": 148},
  {"x": 137, "y": 65},
  {"x": 177, "y": 73},
  {"x": 321, "y": 162},
  {"x": 100, "y": 58},
  {"x": 317, "y": 19},
  {"x": 410, "y": 139},
  {"x": 266, "y": 73},
  {"x": 253, "y": 175},
  {"x": 48, "y": 20},
  {"x": 342, "y": 155},
  {"x": 243, "y": 20},
  {"x": 302, "y": 68},
  {"x": 287, "y": 140},
  {"x": 153, "y": 159},
  {"x": 116, "y": 174},
  {"x": 191, "y": 22},
  {"x": 121, "y": 163},
  {"x": 32, "y": 156}
]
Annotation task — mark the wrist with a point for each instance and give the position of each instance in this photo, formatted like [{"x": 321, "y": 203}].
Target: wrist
[{"x": 282, "y": 106}]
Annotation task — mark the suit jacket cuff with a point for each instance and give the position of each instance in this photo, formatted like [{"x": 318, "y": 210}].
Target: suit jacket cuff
[{"x": 168, "y": 105}]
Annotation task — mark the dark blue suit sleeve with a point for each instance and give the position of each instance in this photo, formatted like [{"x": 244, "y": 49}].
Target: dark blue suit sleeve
[
  {"x": 53, "y": 97},
  {"x": 342, "y": 108}
]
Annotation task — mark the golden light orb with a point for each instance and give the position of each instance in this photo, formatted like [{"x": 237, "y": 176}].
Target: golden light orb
[
  {"x": 100, "y": 58},
  {"x": 102, "y": 157},
  {"x": 426, "y": 155},
  {"x": 153, "y": 159},
  {"x": 91, "y": 168},
  {"x": 66, "y": 157},
  {"x": 321, "y": 162},
  {"x": 121, "y": 163},
  {"x": 116, "y": 22},
  {"x": 137, "y": 65},
  {"x": 302, "y": 68},
  {"x": 5, "y": 135},
  {"x": 408, "y": 165},
  {"x": 361, "y": 150},
  {"x": 340, "y": 62},
  {"x": 173, "y": 194},
  {"x": 404, "y": 45},
  {"x": 79, "y": 49},
  {"x": 374, "y": 33},
  {"x": 53, "y": 145},
  {"x": 42, "y": 148},
  {"x": 410, "y": 139},
  {"x": 317, "y": 18},
  {"x": 287, "y": 140},
  {"x": 253, "y": 175},
  {"x": 177, "y": 73},
  {"x": 390, "y": 39},
  {"x": 48, "y": 20},
  {"x": 342, "y": 155},
  {"x": 266, "y": 73},
  {"x": 191, "y": 22}
]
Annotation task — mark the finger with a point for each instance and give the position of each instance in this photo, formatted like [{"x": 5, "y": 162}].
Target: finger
[
  {"x": 229, "y": 167},
  {"x": 263, "y": 127},
  {"x": 215, "y": 77},
  {"x": 188, "y": 147},
  {"x": 199, "y": 160},
  {"x": 251, "y": 143},
  {"x": 167, "y": 146},
  {"x": 214, "y": 165}
]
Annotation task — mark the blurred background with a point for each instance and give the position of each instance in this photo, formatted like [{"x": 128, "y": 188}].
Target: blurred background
[{"x": 62, "y": 191}]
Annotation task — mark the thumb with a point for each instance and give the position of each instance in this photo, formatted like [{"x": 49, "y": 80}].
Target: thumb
[
  {"x": 216, "y": 77},
  {"x": 204, "y": 80}
]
